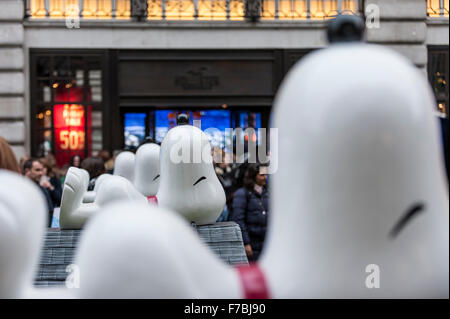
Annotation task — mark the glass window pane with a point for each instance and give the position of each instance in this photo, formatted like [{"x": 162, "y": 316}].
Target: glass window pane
[
  {"x": 43, "y": 93},
  {"x": 215, "y": 123},
  {"x": 439, "y": 84},
  {"x": 61, "y": 67},
  {"x": 77, "y": 65},
  {"x": 442, "y": 108},
  {"x": 60, "y": 92},
  {"x": 95, "y": 85},
  {"x": 43, "y": 117},
  {"x": 43, "y": 140},
  {"x": 164, "y": 120},
  {"x": 79, "y": 77},
  {"x": 65, "y": 91},
  {"x": 248, "y": 141},
  {"x": 63, "y": 81},
  {"x": 134, "y": 132},
  {"x": 96, "y": 118},
  {"x": 97, "y": 141},
  {"x": 94, "y": 127},
  {"x": 438, "y": 76},
  {"x": 43, "y": 67}
]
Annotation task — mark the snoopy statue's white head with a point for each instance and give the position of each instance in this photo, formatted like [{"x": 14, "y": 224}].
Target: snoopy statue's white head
[
  {"x": 124, "y": 165},
  {"x": 188, "y": 182},
  {"x": 359, "y": 200},
  {"x": 146, "y": 169}
]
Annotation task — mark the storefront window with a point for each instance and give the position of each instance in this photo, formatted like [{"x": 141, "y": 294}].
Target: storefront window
[
  {"x": 95, "y": 128},
  {"x": 95, "y": 82},
  {"x": 44, "y": 139},
  {"x": 134, "y": 132},
  {"x": 67, "y": 105},
  {"x": 438, "y": 69},
  {"x": 218, "y": 124},
  {"x": 44, "y": 91},
  {"x": 250, "y": 120},
  {"x": 217, "y": 119}
]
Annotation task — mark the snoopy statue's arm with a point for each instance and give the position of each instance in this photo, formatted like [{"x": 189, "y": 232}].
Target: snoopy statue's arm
[{"x": 74, "y": 213}]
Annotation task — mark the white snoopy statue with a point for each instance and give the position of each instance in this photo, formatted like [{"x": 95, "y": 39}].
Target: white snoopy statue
[
  {"x": 142, "y": 169},
  {"x": 188, "y": 183}
]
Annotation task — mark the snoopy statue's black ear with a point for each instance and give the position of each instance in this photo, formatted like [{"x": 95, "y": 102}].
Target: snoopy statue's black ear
[
  {"x": 182, "y": 119},
  {"x": 345, "y": 28}
]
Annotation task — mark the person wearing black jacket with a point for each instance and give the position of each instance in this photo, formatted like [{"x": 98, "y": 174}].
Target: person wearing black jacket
[
  {"x": 51, "y": 182},
  {"x": 250, "y": 210},
  {"x": 34, "y": 170}
]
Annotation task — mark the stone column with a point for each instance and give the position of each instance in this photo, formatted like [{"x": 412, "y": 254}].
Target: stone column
[
  {"x": 402, "y": 27},
  {"x": 12, "y": 79}
]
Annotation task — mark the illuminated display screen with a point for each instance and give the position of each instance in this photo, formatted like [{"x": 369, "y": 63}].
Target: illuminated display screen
[
  {"x": 219, "y": 119},
  {"x": 134, "y": 128},
  {"x": 250, "y": 119},
  {"x": 69, "y": 131},
  {"x": 70, "y": 125},
  {"x": 216, "y": 123}
]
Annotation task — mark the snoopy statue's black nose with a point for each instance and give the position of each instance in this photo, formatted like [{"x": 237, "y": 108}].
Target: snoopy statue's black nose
[
  {"x": 182, "y": 119},
  {"x": 345, "y": 28}
]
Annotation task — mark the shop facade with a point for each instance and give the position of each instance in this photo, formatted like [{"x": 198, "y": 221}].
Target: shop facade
[{"x": 84, "y": 101}]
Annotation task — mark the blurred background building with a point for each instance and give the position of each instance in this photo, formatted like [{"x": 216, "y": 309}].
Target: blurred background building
[{"x": 79, "y": 76}]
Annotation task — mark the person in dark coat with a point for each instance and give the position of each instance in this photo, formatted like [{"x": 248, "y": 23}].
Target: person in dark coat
[
  {"x": 51, "y": 181},
  {"x": 251, "y": 208},
  {"x": 34, "y": 170}
]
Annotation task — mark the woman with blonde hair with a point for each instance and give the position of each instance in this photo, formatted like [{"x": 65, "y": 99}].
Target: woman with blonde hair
[{"x": 8, "y": 160}]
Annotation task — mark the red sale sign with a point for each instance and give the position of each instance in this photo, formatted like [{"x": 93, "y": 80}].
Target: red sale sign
[
  {"x": 69, "y": 131},
  {"x": 70, "y": 120}
]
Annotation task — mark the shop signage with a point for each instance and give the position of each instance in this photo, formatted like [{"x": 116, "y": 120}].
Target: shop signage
[{"x": 196, "y": 80}]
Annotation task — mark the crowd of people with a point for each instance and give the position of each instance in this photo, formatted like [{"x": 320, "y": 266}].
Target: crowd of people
[{"x": 245, "y": 186}]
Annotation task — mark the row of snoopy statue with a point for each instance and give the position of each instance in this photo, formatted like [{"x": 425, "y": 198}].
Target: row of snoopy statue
[{"x": 360, "y": 190}]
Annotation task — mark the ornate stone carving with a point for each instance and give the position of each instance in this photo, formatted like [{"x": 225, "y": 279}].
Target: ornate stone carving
[
  {"x": 139, "y": 10},
  {"x": 253, "y": 10}
]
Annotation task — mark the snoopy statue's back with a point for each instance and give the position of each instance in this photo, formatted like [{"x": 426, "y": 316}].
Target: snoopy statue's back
[{"x": 360, "y": 194}]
